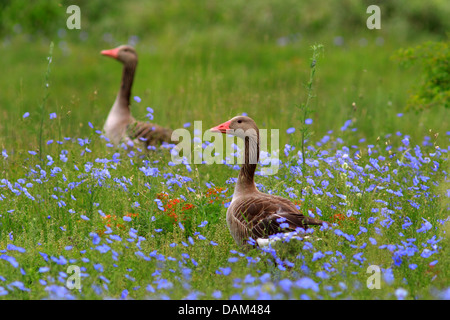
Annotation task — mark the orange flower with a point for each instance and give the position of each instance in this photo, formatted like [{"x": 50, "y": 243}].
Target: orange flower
[
  {"x": 187, "y": 206},
  {"x": 129, "y": 214},
  {"x": 110, "y": 222},
  {"x": 339, "y": 218},
  {"x": 162, "y": 196},
  {"x": 213, "y": 193},
  {"x": 171, "y": 205}
]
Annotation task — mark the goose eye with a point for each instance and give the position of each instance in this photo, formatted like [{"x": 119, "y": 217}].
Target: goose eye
[{"x": 239, "y": 121}]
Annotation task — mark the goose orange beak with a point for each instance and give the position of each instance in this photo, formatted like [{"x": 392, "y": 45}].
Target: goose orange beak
[
  {"x": 114, "y": 53},
  {"x": 222, "y": 128}
]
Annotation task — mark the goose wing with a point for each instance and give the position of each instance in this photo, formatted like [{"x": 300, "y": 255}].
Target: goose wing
[
  {"x": 262, "y": 215},
  {"x": 149, "y": 133}
]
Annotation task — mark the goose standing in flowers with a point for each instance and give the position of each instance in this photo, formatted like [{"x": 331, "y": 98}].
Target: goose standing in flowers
[
  {"x": 120, "y": 124},
  {"x": 253, "y": 214}
]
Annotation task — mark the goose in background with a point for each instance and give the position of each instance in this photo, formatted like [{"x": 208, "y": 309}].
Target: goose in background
[
  {"x": 120, "y": 124},
  {"x": 253, "y": 214}
]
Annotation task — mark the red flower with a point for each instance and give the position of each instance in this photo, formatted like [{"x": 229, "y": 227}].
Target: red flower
[
  {"x": 172, "y": 206},
  {"x": 213, "y": 194},
  {"x": 339, "y": 218}
]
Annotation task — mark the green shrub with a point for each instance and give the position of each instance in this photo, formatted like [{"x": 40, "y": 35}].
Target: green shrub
[
  {"x": 434, "y": 88},
  {"x": 261, "y": 19},
  {"x": 30, "y": 17},
  {"x": 47, "y": 17}
]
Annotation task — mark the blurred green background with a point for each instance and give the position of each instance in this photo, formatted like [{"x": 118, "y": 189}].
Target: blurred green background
[{"x": 211, "y": 60}]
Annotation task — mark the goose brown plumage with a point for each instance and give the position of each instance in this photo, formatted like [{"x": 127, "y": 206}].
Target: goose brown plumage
[
  {"x": 120, "y": 125},
  {"x": 253, "y": 213}
]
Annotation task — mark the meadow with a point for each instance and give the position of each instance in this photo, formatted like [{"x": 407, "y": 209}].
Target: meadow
[{"x": 135, "y": 226}]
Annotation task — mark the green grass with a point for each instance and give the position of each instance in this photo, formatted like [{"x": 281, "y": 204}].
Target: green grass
[
  {"x": 263, "y": 80},
  {"x": 212, "y": 74}
]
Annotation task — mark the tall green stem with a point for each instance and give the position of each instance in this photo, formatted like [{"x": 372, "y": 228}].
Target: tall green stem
[
  {"x": 44, "y": 99},
  {"x": 305, "y": 107}
]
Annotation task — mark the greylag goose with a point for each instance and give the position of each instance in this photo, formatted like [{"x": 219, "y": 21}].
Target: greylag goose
[
  {"x": 120, "y": 124},
  {"x": 253, "y": 213}
]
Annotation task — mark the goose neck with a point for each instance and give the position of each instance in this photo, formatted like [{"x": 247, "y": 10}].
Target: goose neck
[
  {"x": 129, "y": 69},
  {"x": 246, "y": 181}
]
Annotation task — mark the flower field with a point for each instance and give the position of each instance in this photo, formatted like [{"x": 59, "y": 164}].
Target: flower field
[
  {"x": 363, "y": 145},
  {"x": 104, "y": 211}
]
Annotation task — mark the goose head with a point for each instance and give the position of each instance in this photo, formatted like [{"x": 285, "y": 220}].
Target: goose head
[
  {"x": 245, "y": 128},
  {"x": 124, "y": 53},
  {"x": 240, "y": 126}
]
